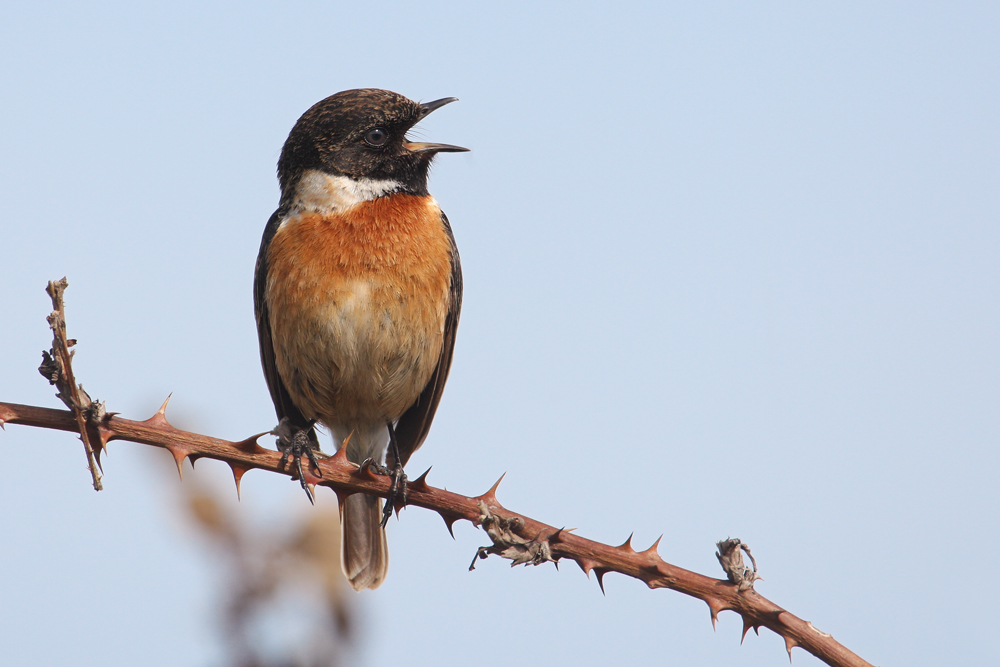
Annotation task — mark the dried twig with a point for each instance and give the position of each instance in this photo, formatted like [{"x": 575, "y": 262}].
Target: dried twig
[
  {"x": 514, "y": 536},
  {"x": 57, "y": 368}
]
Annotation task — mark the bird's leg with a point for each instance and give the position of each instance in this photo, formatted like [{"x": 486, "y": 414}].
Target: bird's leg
[
  {"x": 297, "y": 441},
  {"x": 397, "y": 475}
]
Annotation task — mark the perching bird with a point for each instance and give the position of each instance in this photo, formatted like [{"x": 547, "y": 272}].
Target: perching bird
[{"x": 357, "y": 293}]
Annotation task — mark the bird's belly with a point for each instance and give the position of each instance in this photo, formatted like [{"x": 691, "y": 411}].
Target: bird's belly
[
  {"x": 363, "y": 357},
  {"x": 358, "y": 321}
]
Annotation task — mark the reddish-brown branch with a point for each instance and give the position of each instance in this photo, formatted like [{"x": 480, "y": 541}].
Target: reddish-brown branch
[{"x": 514, "y": 535}]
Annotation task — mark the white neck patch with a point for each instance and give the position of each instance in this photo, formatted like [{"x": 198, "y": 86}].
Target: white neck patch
[{"x": 318, "y": 192}]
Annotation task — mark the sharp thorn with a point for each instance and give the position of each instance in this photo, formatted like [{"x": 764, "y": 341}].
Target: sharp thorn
[
  {"x": 238, "y": 472},
  {"x": 179, "y": 456},
  {"x": 491, "y": 495},
  {"x": 600, "y": 572},
  {"x": 420, "y": 483},
  {"x": 163, "y": 408},
  {"x": 160, "y": 417},
  {"x": 714, "y": 606},
  {"x": 789, "y": 645},
  {"x": 449, "y": 522},
  {"x": 340, "y": 457},
  {"x": 250, "y": 445},
  {"x": 103, "y": 437},
  {"x": 653, "y": 549},
  {"x": 496, "y": 485}
]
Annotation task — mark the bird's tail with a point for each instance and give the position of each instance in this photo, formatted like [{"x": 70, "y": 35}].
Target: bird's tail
[{"x": 364, "y": 552}]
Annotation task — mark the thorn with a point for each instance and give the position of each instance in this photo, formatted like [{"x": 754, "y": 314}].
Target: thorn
[
  {"x": 652, "y": 551},
  {"x": 789, "y": 645},
  {"x": 250, "y": 445},
  {"x": 238, "y": 472},
  {"x": 715, "y": 606},
  {"x": 161, "y": 415},
  {"x": 193, "y": 458},
  {"x": 600, "y": 572},
  {"x": 163, "y": 408},
  {"x": 449, "y": 521},
  {"x": 491, "y": 495},
  {"x": 586, "y": 565},
  {"x": 97, "y": 457},
  {"x": 179, "y": 456},
  {"x": 420, "y": 483},
  {"x": 104, "y": 436},
  {"x": 340, "y": 458},
  {"x": 747, "y": 624},
  {"x": 627, "y": 545}
]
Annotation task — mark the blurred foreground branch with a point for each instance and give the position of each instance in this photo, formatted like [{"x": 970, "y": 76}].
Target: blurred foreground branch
[{"x": 515, "y": 536}]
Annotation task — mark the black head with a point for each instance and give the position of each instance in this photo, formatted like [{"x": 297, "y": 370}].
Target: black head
[{"x": 361, "y": 134}]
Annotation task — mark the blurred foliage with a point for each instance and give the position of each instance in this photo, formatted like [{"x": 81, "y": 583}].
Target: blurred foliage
[{"x": 284, "y": 601}]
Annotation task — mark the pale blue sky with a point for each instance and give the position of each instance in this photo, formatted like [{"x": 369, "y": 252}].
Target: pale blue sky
[{"x": 730, "y": 271}]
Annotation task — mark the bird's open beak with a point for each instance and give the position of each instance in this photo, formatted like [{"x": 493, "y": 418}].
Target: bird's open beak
[{"x": 422, "y": 147}]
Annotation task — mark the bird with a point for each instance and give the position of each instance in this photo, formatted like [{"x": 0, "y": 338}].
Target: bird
[{"x": 357, "y": 296}]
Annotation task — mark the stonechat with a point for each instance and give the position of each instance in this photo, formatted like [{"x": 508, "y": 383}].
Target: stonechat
[{"x": 357, "y": 293}]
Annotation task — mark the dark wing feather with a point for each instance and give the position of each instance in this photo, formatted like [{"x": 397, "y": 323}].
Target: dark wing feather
[
  {"x": 413, "y": 426},
  {"x": 279, "y": 395}
]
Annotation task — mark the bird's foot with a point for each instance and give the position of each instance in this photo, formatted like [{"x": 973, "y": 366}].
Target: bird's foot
[
  {"x": 298, "y": 442},
  {"x": 396, "y": 489}
]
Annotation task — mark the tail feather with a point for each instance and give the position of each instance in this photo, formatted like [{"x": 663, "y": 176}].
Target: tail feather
[{"x": 365, "y": 554}]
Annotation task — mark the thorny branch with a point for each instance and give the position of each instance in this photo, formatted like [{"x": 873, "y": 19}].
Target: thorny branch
[
  {"x": 57, "y": 368},
  {"x": 517, "y": 537}
]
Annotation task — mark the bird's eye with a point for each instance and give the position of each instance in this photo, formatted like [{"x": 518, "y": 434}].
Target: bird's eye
[{"x": 376, "y": 137}]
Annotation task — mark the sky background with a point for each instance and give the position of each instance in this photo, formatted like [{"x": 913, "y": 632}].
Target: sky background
[{"x": 730, "y": 270}]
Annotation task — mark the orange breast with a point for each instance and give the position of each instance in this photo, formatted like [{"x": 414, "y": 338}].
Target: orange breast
[{"x": 357, "y": 303}]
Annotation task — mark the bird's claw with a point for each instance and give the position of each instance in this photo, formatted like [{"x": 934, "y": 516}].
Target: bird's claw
[
  {"x": 301, "y": 443},
  {"x": 398, "y": 487}
]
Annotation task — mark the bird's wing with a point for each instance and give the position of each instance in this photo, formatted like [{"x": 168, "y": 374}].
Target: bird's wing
[
  {"x": 413, "y": 426},
  {"x": 279, "y": 394}
]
